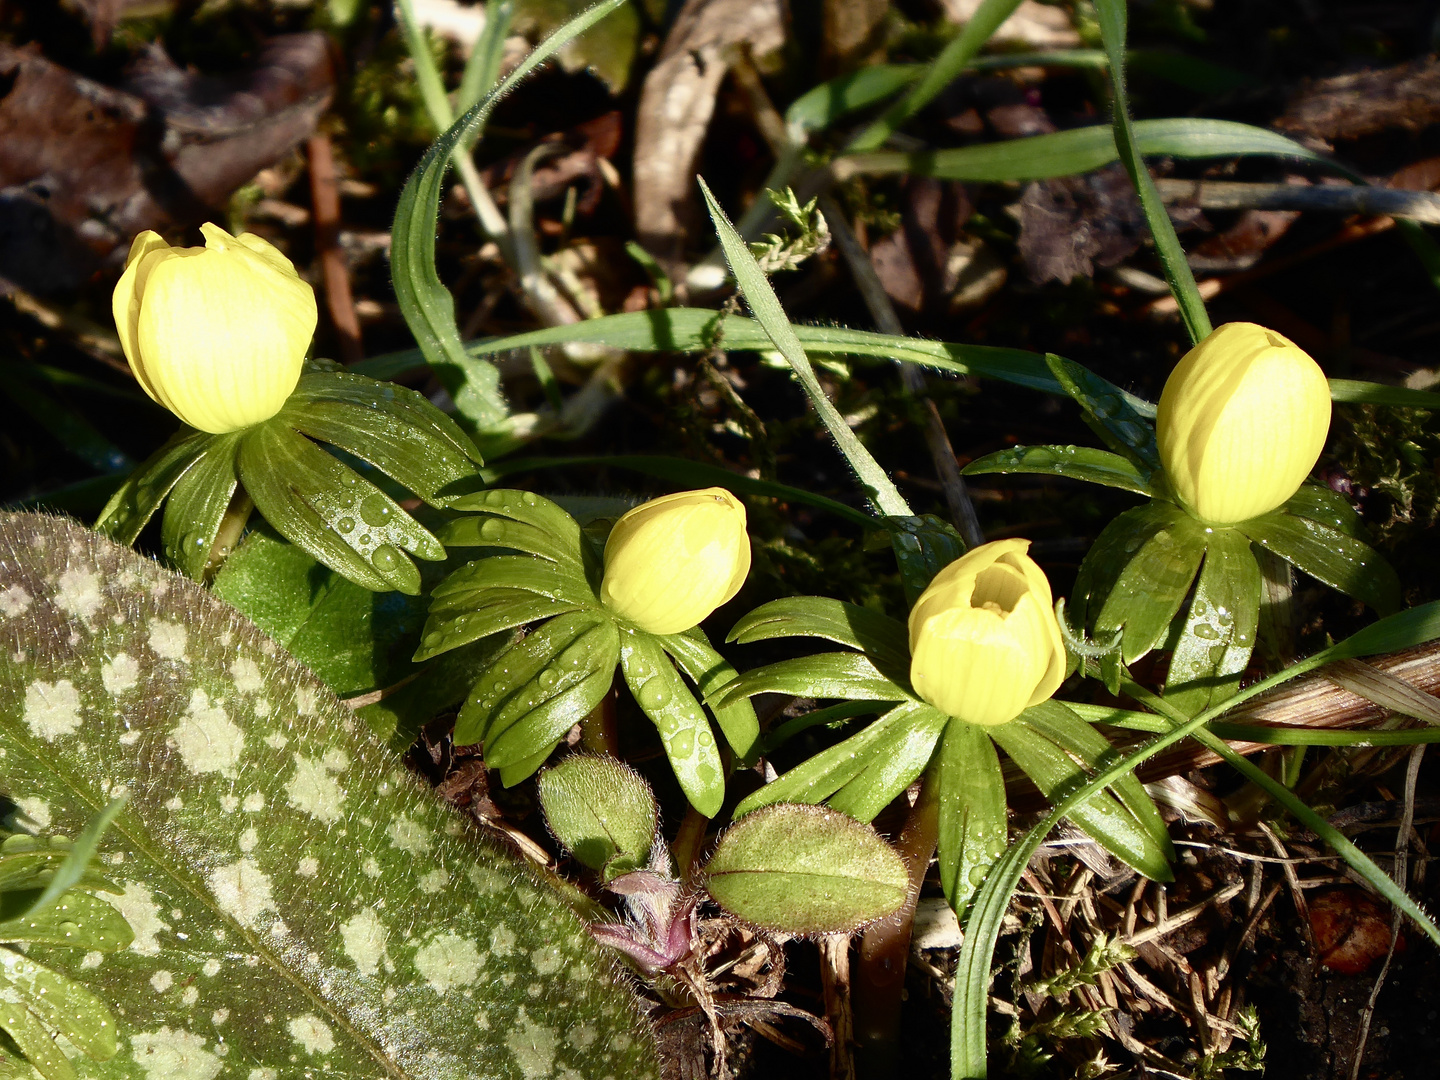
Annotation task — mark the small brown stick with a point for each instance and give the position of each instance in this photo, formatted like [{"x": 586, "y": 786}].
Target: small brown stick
[
  {"x": 835, "y": 981},
  {"x": 1297, "y": 893},
  {"x": 325, "y": 197}
]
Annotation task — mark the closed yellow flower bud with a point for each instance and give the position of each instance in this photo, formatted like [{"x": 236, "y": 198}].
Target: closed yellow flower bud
[
  {"x": 1241, "y": 422},
  {"x": 671, "y": 561},
  {"x": 217, "y": 334},
  {"x": 984, "y": 643}
]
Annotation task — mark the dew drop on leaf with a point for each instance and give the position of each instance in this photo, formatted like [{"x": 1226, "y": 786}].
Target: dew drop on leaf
[{"x": 375, "y": 509}]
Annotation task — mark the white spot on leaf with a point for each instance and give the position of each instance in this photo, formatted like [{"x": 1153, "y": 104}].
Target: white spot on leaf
[
  {"x": 248, "y": 839},
  {"x": 246, "y": 674},
  {"x": 162, "y": 980},
  {"x": 207, "y": 739},
  {"x": 313, "y": 790},
  {"x": 309, "y": 866},
  {"x": 190, "y": 996},
  {"x": 168, "y": 640},
  {"x": 336, "y": 760},
  {"x": 533, "y": 1046},
  {"x": 78, "y": 594},
  {"x": 211, "y": 968},
  {"x": 242, "y": 890},
  {"x": 37, "y": 810},
  {"x": 434, "y": 882},
  {"x": 253, "y": 802},
  {"x": 313, "y": 1034},
  {"x": 14, "y": 601},
  {"x": 174, "y": 1055},
  {"x": 138, "y": 907},
  {"x": 52, "y": 709},
  {"x": 365, "y": 937},
  {"x": 448, "y": 961},
  {"x": 407, "y": 834},
  {"x": 120, "y": 674},
  {"x": 502, "y": 940}
]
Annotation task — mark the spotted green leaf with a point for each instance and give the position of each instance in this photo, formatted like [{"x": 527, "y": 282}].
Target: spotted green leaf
[{"x": 299, "y": 904}]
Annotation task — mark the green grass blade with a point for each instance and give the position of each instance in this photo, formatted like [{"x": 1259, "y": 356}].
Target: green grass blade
[
  {"x": 427, "y": 305},
  {"x": 1112, "y": 16},
  {"x": 955, "y": 57},
  {"x": 766, "y": 306},
  {"x": 1064, "y": 153}
]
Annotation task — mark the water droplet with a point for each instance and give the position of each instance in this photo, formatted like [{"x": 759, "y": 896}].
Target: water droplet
[
  {"x": 1217, "y": 653},
  {"x": 528, "y": 498},
  {"x": 1206, "y": 631},
  {"x": 548, "y": 678},
  {"x": 653, "y": 695},
  {"x": 495, "y": 498},
  {"x": 683, "y": 744},
  {"x": 706, "y": 739},
  {"x": 492, "y": 529},
  {"x": 435, "y": 637},
  {"x": 364, "y": 540},
  {"x": 346, "y": 524},
  {"x": 976, "y": 875},
  {"x": 375, "y": 509},
  {"x": 385, "y": 558},
  {"x": 349, "y": 479}
]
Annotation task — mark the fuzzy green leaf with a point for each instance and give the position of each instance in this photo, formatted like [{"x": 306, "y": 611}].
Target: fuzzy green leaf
[
  {"x": 805, "y": 870},
  {"x": 298, "y": 901},
  {"x": 602, "y": 811}
]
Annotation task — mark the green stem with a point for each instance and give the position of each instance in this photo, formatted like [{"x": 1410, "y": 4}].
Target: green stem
[
  {"x": 232, "y": 527},
  {"x": 1113, "y": 17}
]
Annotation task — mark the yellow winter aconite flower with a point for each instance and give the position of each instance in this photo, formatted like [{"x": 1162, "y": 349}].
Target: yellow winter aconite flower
[
  {"x": 984, "y": 643},
  {"x": 1241, "y": 422},
  {"x": 217, "y": 334},
  {"x": 671, "y": 561}
]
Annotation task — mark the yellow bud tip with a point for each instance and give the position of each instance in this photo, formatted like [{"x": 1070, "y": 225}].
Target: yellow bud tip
[
  {"x": 1241, "y": 422},
  {"x": 984, "y": 643},
  {"x": 217, "y": 334},
  {"x": 671, "y": 561}
]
